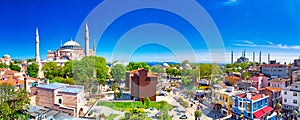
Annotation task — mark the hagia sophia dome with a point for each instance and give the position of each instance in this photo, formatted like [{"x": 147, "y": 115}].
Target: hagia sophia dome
[{"x": 71, "y": 45}]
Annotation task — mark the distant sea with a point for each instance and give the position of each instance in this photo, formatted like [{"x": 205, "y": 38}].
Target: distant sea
[{"x": 161, "y": 63}]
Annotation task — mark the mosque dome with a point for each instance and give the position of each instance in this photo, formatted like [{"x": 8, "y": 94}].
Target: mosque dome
[
  {"x": 71, "y": 45},
  {"x": 6, "y": 56}
]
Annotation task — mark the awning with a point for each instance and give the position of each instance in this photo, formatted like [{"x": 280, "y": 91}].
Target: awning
[{"x": 262, "y": 112}]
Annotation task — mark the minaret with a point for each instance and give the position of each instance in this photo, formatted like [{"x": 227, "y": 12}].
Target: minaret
[
  {"x": 94, "y": 48},
  {"x": 37, "y": 46},
  {"x": 268, "y": 58},
  {"x": 37, "y": 53},
  {"x": 253, "y": 58},
  {"x": 86, "y": 40},
  {"x": 244, "y": 53},
  {"x": 259, "y": 57},
  {"x": 231, "y": 57}
]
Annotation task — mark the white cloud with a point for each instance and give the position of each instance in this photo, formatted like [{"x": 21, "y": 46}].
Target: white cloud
[
  {"x": 269, "y": 42},
  {"x": 231, "y": 2},
  {"x": 247, "y": 43}
]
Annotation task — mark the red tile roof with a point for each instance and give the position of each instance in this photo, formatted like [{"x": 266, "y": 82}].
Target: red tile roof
[
  {"x": 12, "y": 81},
  {"x": 274, "y": 89},
  {"x": 253, "y": 96}
]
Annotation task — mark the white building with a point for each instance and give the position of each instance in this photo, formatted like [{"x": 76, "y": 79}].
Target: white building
[
  {"x": 279, "y": 83},
  {"x": 291, "y": 97},
  {"x": 274, "y": 70}
]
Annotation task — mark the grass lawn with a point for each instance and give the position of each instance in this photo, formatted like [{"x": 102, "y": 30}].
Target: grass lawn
[
  {"x": 129, "y": 105},
  {"x": 111, "y": 116}
]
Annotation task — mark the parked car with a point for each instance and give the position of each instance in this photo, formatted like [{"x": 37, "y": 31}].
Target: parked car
[
  {"x": 183, "y": 117},
  {"x": 179, "y": 113},
  {"x": 152, "y": 108}
]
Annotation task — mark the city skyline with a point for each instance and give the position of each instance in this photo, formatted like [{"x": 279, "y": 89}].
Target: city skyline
[{"x": 241, "y": 26}]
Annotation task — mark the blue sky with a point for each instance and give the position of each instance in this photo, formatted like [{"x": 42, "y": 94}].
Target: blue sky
[{"x": 268, "y": 26}]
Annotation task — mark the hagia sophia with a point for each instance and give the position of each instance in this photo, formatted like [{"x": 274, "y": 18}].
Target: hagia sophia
[{"x": 71, "y": 50}]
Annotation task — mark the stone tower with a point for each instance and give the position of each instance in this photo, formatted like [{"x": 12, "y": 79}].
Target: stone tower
[
  {"x": 37, "y": 54},
  {"x": 37, "y": 46},
  {"x": 87, "y": 40}
]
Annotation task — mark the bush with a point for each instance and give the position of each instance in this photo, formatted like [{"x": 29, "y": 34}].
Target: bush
[
  {"x": 180, "y": 99},
  {"x": 169, "y": 89},
  {"x": 185, "y": 104}
]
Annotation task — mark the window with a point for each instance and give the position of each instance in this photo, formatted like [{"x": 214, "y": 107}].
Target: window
[
  {"x": 285, "y": 92},
  {"x": 294, "y": 94},
  {"x": 249, "y": 107},
  {"x": 60, "y": 101},
  {"x": 266, "y": 101},
  {"x": 284, "y": 100},
  {"x": 295, "y": 101},
  {"x": 249, "y": 114},
  {"x": 240, "y": 104},
  {"x": 254, "y": 105}
]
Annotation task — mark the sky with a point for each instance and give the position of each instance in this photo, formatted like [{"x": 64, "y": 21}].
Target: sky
[{"x": 153, "y": 34}]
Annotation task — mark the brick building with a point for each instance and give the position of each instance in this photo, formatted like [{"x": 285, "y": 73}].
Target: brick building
[
  {"x": 143, "y": 85},
  {"x": 61, "y": 97}
]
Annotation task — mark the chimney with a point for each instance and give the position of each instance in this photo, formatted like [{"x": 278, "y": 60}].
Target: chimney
[
  {"x": 230, "y": 89},
  {"x": 26, "y": 87}
]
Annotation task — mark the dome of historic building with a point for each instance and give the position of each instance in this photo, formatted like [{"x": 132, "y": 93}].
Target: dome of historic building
[
  {"x": 71, "y": 45},
  {"x": 6, "y": 56}
]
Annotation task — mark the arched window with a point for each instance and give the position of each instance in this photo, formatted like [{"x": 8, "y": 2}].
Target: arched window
[{"x": 60, "y": 101}]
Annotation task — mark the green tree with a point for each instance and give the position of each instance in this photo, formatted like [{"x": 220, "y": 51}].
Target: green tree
[
  {"x": 14, "y": 67},
  {"x": 3, "y": 65},
  {"x": 186, "y": 82},
  {"x": 197, "y": 114},
  {"x": 114, "y": 86},
  {"x": 118, "y": 72},
  {"x": 185, "y": 72},
  {"x": 147, "y": 102},
  {"x": 157, "y": 69},
  {"x": 121, "y": 94},
  {"x": 13, "y": 102},
  {"x": 90, "y": 70},
  {"x": 164, "y": 109},
  {"x": 68, "y": 69},
  {"x": 183, "y": 63},
  {"x": 246, "y": 75},
  {"x": 30, "y": 60},
  {"x": 33, "y": 69},
  {"x": 51, "y": 70},
  {"x": 134, "y": 65}
]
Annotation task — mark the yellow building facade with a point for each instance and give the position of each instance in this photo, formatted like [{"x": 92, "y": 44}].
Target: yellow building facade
[{"x": 222, "y": 97}]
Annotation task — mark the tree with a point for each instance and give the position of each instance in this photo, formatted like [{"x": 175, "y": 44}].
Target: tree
[
  {"x": 148, "y": 102},
  {"x": 183, "y": 63},
  {"x": 246, "y": 75},
  {"x": 197, "y": 114},
  {"x": 68, "y": 69},
  {"x": 14, "y": 67},
  {"x": 186, "y": 82},
  {"x": 33, "y": 69},
  {"x": 157, "y": 69},
  {"x": 134, "y": 66},
  {"x": 3, "y": 65},
  {"x": 114, "y": 86},
  {"x": 13, "y": 103},
  {"x": 118, "y": 72},
  {"x": 63, "y": 80},
  {"x": 90, "y": 70},
  {"x": 121, "y": 94},
  {"x": 51, "y": 70}
]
